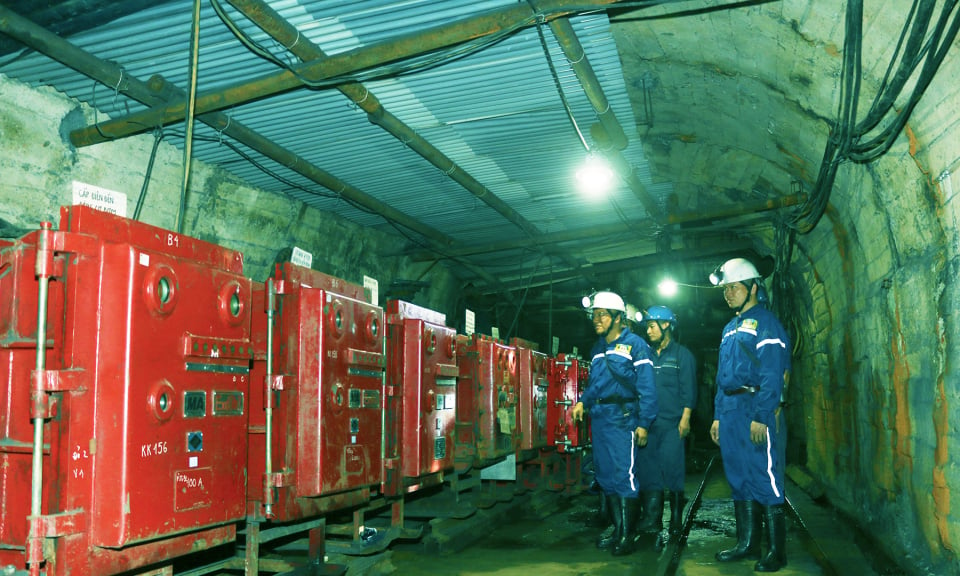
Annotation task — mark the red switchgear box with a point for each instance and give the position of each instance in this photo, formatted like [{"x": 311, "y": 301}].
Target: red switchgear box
[
  {"x": 468, "y": 405},
  {"x": 18, "y": 342},
  {"x": 328, "y": 366},
  {"x": 532, "y": 383},
  {"x": 487, "y": 396},
  {"x": 148, "y": 372},
  {"x": 422, "y": 376},
  {"x": 568, "y": 376}
]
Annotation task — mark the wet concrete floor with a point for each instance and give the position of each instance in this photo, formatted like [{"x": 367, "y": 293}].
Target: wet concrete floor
[{"x": 545, "y": 534}]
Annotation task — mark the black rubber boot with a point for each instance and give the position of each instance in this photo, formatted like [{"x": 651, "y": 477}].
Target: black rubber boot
[
  {"x": 602, "y": 518},
  {"x": 629, "y": 512},
  {"x": 748, "y": 533},
  {"x": 608, "y": 537},
  {"x": 652, "y": 511},
  {"x": 677, "y": 503},
  {"x": 776, "y": 557}
]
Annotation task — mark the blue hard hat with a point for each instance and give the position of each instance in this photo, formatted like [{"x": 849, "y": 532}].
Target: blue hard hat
[{"x": 660, "y": 314}]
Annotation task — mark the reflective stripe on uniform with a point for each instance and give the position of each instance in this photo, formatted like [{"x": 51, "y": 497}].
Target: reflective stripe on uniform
[
  {"x": 773, "y": 480},
  {"x": 763, "y": 343}
]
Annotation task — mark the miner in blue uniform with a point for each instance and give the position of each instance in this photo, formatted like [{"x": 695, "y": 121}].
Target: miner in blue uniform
[
  {"x": 675, "y": 375},
  {"x": 622, "y": 400},
  {"x": 753, "y": 366}
]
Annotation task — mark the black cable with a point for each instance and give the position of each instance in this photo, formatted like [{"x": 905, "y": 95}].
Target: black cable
[
  {"x": 433, "y": 58},
  {"x": 850, "y": 87},
  {"x": 688, "y": 12},
  {"x": 556, "y": 83},
  {"x": 846, "y": 141},
  {"x": 157, "y": 137},
  {"x": 21, "y": 54},
  {"x": 399, "y": 228},
  {"x": 406, "y": 66},
  {"x": 245, "y": 38},
  {"x": 807, "y": 215},
  {"x": 889, "y": 91},
  {"x": 936, "y": 52},
  {"x": 523, "y": 298}
]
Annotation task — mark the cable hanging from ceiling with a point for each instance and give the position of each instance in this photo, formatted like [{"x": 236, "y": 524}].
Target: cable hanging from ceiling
[
  {"x": 593, "y": 161},
  {"x": 557, "y": 84},
  {"x": 874, "y": 135}
]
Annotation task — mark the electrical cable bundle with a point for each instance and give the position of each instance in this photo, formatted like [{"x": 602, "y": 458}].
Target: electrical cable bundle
[{"x": 867, "y": 140}]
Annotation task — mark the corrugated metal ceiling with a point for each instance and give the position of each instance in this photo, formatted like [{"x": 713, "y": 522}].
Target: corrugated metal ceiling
[{"x": 494, "y": 112}]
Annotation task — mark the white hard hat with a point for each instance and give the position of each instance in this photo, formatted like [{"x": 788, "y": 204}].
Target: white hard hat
[
  {"x": 734, "y": 270},
  {"x": 605, "y": 300}
]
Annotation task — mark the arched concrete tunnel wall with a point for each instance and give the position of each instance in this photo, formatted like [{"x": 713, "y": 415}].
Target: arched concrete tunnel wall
[
  {"x": 874, "y": 290},
  {"x": 875, "y": 298},
  {"x": 741, "y": 101},
  {"x": 874, "y": 382}
]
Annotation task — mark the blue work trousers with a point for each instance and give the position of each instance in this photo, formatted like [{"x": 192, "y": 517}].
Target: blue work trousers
[
  {"x": 755, "y": 472},
  {"x": 614, "y": 451},
  {"x": 668, "y": 467}
]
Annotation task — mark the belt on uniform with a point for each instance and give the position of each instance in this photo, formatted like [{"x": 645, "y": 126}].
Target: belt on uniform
[
  {"x": 741, "y": 390},
  {"x": 615, "y": 400}
]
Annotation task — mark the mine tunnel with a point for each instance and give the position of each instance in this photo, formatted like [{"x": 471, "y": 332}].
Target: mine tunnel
[{"x": 309, "y": 276}]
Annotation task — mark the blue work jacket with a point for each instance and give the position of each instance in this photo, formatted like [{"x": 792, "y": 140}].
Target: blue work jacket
[
  {"x": 753, "y": 363},
  {"x": 622, "y": 369}
]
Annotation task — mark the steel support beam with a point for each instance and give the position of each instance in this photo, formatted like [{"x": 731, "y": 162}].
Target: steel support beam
[
  {"x": 502, "y": 20},
  {"x": 737, "y": 210},
  {"x": 616, "y": 139},
  {"x": 594, "y": 233},
  {"x": 626, "y": 265},
  {"x": 286, "y": 34},
  {"x": 110, "y": 74}
]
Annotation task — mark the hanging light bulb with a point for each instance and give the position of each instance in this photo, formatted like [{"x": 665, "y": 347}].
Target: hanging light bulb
[
  {"x": 595, "y": 176},
  {"x": 667, "y": 287}
]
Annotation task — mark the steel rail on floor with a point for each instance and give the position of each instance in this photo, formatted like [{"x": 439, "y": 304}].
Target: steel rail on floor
[
  {"x": 809, "y": 542},
  {"x": 670, "y": 558}
]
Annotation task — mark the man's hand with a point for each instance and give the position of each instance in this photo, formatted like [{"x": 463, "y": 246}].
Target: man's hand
[
  {"x": 715, "y": 432},
  {"x": 640, "y": 436},
  {"x": 684, "y": 427},
  {"x": 577, "y": 412},
  {"x": 758, "y": 433}
]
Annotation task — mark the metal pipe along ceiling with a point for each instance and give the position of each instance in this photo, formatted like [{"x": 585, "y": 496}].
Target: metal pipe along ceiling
[{"x": 287, "y": 35}]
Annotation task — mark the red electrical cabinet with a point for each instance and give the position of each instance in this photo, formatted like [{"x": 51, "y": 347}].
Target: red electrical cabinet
[
  {"x": 143, "y": 391},
  {"x": 533, "y": 368},
  {"x": 18, "y": 355},
  {"x": 568, "y": 376},
  {"x": 466, "y": 424},
  {"x": 422, "y": 379},
  {"x": 487, "y": 397},
  {"x": 324, "y": 389}
]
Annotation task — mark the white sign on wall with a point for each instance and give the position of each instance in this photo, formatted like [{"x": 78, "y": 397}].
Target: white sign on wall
[
  {"x": 556, "y": 345},
  {"x": 100, "y": 198},
  {"x": 301, "y": 257},
  {"x": 495, "y": 332},
  {"x": 470, "y": 323},
  {"x": 373, "y": 286}
]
